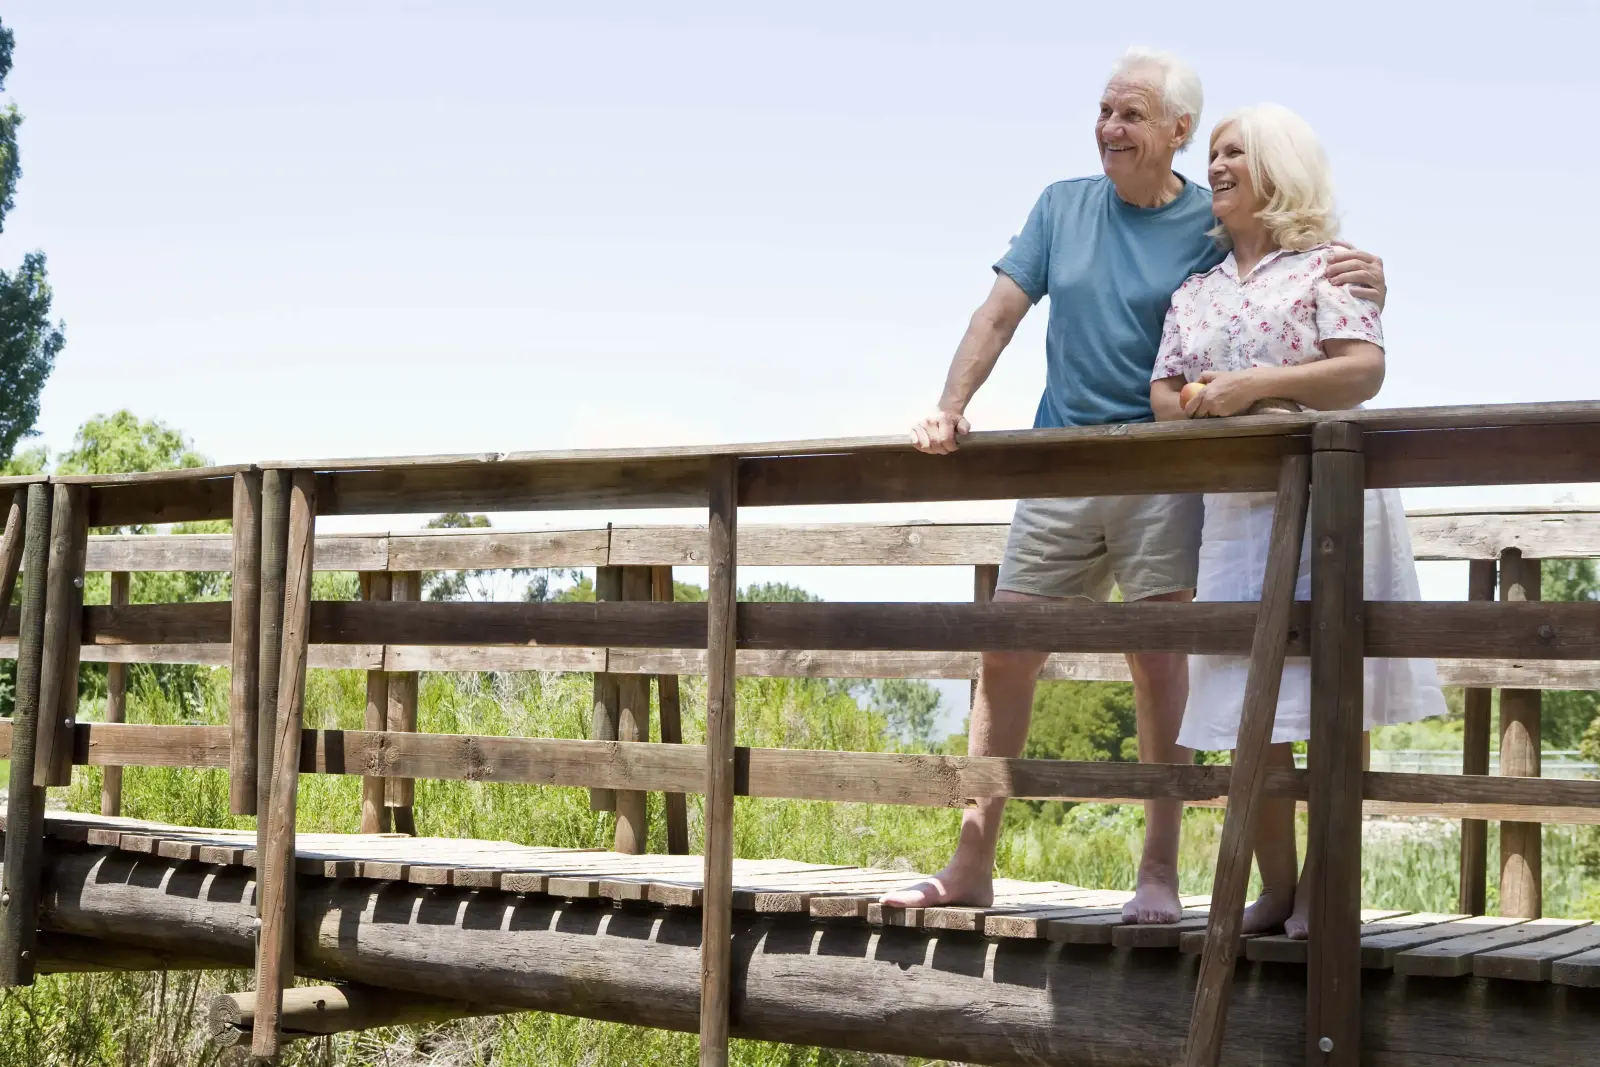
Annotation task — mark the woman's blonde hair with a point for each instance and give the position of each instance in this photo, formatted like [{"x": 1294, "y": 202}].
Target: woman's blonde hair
[{"x": 1289, "y": 168}]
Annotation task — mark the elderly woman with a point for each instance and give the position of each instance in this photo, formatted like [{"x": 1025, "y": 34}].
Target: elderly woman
[{"x": 1266, "y": 327}]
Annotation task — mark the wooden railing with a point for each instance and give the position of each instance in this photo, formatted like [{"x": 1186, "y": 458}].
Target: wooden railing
[{"x": 1315, "y": 463}]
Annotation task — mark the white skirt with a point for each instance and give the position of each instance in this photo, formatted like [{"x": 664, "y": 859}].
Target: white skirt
[{"x": 1233, "y": 561}]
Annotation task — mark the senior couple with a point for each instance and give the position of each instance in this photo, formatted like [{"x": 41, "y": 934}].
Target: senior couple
[{"x": 1155, "y": 282}]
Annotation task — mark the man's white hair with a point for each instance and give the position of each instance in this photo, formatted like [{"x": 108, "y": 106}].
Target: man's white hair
[
  {"x": 1290, "y": 171},
  {"x": 1176, "y": 82}
]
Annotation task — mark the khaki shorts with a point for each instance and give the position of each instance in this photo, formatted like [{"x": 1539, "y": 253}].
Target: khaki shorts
[{"x": 1083, "y": 546}]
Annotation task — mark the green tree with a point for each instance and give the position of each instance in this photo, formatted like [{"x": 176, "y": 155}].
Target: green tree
[
  {"x": 29, "y": 342},
  {"x": 910, "y": 709},
  {"x": 1568, "y": 714},
  {"x": 1082, "y": 721},
  {"x": 122, "y": 443}
]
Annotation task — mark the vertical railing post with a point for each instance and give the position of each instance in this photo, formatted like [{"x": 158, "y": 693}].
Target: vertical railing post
[
  {"x": 1472, "y": 899},
  {"x": 716, "y": 932},
  {"x": 985, "y": 578},
  {"x": 604, "y": 720},
  {"x": 671, "y": 725},
  {"x": 24, "y": 839},
  {"x": 633, "y": 724},
  {"x": 1521, "y": 882},
  {"x": 1246, "y": 787},
  {"x": 245, "y": 651},
  {"x": 402, "y": 792},
  {"x": 275, "y": 864},
  {"x": 63, "y": 629},
  {"x": 274, "y": 548},
  {"x": 117, "y": 707},
  {"x": 1333, "y": 865},
  {"x": 376, "y": 585}
]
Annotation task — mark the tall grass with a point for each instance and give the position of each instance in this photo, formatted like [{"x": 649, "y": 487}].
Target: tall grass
[{"x": 151, "y": 1019}]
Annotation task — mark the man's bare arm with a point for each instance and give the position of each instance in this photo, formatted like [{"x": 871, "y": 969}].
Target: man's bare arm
[{"x": 990, "y": 330}]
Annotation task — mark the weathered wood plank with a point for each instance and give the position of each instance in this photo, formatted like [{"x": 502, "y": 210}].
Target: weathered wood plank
[
  {"x": 174, "y": 496},
  {"x": 214, "y": 552},
  {"x": 116, "y": 709},
  {"x": 274, "y": 562},
  {"x": 1534, "y": 961},
  {"x": 722, "y": 627},
  {"x": 1453, "y": 957},
  {"x": 245, "y": 660},
  {"x": 668, "y": 699},
  {"x": 1521, "y": 868},
  {"x": 405, "y": 587},
  {"x": 1472, "y": 895},
  {"x": 633, "y": 725},
  {"x": 1247, "y": 785},
  {"x": 604, "y": 716},
  {"x": 275, "y": 966},
  {"x": 63, "y": 622},
  {"x": 458, "y": 550},
  {"x": 24, "y": 840},
  {"x": 374, "y": 812},
  {"x": 1333, "y": 849}
]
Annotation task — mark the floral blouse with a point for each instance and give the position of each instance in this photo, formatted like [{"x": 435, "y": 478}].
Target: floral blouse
[{"x": 1276, "y": 316}]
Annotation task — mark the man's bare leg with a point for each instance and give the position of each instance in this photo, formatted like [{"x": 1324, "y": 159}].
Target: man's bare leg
[
  {"x": 1001, "y": 712},
  {"x": 1160, "y": 690}
]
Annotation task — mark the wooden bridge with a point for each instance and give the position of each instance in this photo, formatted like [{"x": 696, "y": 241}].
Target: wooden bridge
[{"x": 419, "y": 929}]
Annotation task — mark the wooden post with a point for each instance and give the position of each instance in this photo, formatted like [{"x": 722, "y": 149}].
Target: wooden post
[
  {"x": 1333, "y": 987},
  {"x": 24, "y": 839},
  {"x": 985, "y": 577},
  {"x": 402, "y": 792},
  {"x": 1475, "y": 760},
  {"x": 671, "y": 726},
  {"x": 11, "y": 546},
  {"x": 116, "y": 706},
  {"x": 63, "y": 629},
  {"x": 374, "y": 812},
  {"x": 245, "y": 651},
  {"x": 633, "y": 724},
  {"x": 1268, "y": 648},
  {"x": 275, "y": 864},
  {"x": 604, "y": 721},
  {"x": 716, "y": 932},
  {"x": 1521, "y": 884},
  {"x": 274, "y": 547}
]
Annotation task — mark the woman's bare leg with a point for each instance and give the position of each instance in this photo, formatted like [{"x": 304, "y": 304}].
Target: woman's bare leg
[
  {"x": 1298, "y": 924},
  {"x": 1275, "y": 855}
]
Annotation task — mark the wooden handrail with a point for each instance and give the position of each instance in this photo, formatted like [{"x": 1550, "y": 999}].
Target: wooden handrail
[{"x": 1556, "y": 532}]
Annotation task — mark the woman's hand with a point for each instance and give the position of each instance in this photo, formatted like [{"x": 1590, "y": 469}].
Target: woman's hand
[{"x": 1226, "y": 393}]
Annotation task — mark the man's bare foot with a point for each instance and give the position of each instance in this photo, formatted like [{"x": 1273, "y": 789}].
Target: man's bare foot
[
  {"x": 1267, "y": 913},
  {"x": 1298, "y": 924},
  {"x": 950, "y": 886},
  {"x": 1155, "y": 901}
]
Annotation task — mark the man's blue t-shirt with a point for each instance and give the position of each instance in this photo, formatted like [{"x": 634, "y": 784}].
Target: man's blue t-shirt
[{"x": 1110, "y": 269}]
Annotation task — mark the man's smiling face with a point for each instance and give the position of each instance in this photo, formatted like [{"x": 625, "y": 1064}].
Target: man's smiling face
[{"x": 1133, "y": 134}]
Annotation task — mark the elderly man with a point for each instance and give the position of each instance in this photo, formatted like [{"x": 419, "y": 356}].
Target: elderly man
[{"x": 1109, "y": 250}]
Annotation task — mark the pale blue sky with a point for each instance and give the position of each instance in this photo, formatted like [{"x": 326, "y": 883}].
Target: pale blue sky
[{"x": 321, "y": 229}]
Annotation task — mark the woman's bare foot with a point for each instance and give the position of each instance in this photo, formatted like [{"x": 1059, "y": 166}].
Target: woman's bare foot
[
  {"x": 1298, "y": 924},
  {"x": 1267, "y": 912},
  {"x": 1155, "y": 901},
  {"x": 953, "y": 885}
]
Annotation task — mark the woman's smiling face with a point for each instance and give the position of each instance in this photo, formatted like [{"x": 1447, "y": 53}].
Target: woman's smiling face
[{"x": 1233, "y": 193}]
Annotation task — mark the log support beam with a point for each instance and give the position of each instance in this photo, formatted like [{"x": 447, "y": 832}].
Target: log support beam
[{"x": 892, "y": 991}]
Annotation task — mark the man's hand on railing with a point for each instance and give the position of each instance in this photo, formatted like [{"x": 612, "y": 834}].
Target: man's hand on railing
[{"x": 940, "y": 433}]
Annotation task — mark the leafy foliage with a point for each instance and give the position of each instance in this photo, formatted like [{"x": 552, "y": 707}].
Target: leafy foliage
[
  {"x": 1083, "y": 721},
  {"x": 1568, "y": 714},
  {"x": 29, "y": 341}
]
